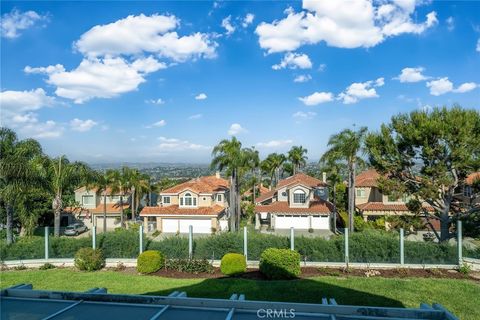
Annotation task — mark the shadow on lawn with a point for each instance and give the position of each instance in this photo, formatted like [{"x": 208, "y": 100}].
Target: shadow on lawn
[{"x": 299, "y": 290}]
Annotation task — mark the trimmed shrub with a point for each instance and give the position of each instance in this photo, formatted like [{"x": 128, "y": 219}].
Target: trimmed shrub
[
  {"x": 46, "y": 266},
  {"x": 233, "y": 263},
  {"x": 88, "y": 259},
  {"x": 189, "y": 265},
  {"x": 150, "y": 261},
  {"x": 280, "y": 263}
]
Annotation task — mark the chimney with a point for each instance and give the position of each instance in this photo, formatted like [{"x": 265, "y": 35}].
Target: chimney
[
  {"x": 324, "y": 177},
  {"x": 217, "y": 174}
]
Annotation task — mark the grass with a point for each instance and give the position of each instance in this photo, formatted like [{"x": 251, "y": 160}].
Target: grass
[{"x": 459, "y": 296}]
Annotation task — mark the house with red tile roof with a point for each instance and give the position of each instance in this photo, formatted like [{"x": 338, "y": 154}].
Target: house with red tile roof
[
  {"x": 299, "y": 201},
  {"x": 200, "y": 203}
]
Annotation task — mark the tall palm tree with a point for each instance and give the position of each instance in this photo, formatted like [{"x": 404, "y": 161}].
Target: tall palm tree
[
  {"x": 102, "y": 182},
  {"x": 121, "y": 184},
  {"x": 19, "y": 171},
  {"x": 346, "y": 146},
  {"x": 298, "y": 157},
  {"x": 140, "y": 185},
  {"x": 272, "y": 166},
  {"x": 335, "y": 175},
  {"x": 64, "y": 175},
  {"x": 229, "y": 155},
  {"x": 252, "y": 162}
]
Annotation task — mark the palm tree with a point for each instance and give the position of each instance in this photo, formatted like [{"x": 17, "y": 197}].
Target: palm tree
[
  {"x": 63, "y": 176},
  {"x": 121, "y": 184},
  {"x": 272, "y": 166},
  {"x": 335, "y": 175},
  {"x": 102, "y": 182},
  {"x": 140, "y": 183},
  {"x": 252, "y": 161},
  {"x": 19, "y": 171},
  {"x": 297, "y": 156},
  {"x": 346, "y": 146}
]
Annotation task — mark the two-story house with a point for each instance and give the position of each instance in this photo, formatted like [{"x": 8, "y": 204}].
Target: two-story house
[
  {"x": 299, "y": 201},
  {"x": 90, "y": 208},
  {"x": 200, "y": 203}
]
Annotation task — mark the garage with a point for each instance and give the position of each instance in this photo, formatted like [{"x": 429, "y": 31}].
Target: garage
[
  {"x": 182, "y": 225},
  {"x": 169, "y": 225},
  {"x": 297, "y": 222},
  {"x": 321, "y": 222}
]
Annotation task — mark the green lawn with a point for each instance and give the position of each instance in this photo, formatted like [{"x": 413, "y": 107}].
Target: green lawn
[{"x": 459, "y": 296}]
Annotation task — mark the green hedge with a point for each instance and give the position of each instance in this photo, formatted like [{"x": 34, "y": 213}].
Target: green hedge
[
  {"x": 150, "y": 261},
  {"x": 89, "y": 259},
  {"x": 280, "y": 263},
  {"x": 233, "y": 263}
]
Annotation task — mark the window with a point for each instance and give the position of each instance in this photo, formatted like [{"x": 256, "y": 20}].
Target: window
[
  {"x": 166, "y": 200},
  {"x": 87, "y": 200},
  {"x": 188, "y": 201},
  {"x": 219, "y": 197},
  {"x": 360, "y": 192},
  {"x": 299, "y": 196}
]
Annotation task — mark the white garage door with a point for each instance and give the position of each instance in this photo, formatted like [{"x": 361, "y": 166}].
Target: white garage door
[
  {"x": 296, "y": 222},
  {"x": 170, "y": 225},
  {"x": 321, "y": 223},
  {"x": 199, "y": 225}
]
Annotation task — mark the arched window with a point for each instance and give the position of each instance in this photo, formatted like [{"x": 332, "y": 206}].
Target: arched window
[
  {"x": 188, "y": 200},
  {"x": 299, "y": 196}
]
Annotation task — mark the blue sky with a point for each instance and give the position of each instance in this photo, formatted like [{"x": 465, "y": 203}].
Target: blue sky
[{"x": 165, "y": 81}]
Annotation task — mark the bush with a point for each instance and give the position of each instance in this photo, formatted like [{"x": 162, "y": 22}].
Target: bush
[
  {"x": 150, "y": 261},
  {"x": 280, "y": 263},
  {"x": 189, "y": 265},
  {"x": 88, "y": 259},
  {"x": 233, "y": 263},
  {"x": 47, "y": 266}
]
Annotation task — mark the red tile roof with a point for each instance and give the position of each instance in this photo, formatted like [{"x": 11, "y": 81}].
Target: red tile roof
[
  {"x": 175, "y": 210},
  {"x": 367, "y": 178},
  {"x": 380, "y": 206},
  {"x": 299, "y": 178},
  {"x": 209, "y": 184},
  {"x": 473, "y": 178},
  {"x": 265, "y": 196},
  {"x": 111, "y": 208},
  {"x": 316, "y": 206}
]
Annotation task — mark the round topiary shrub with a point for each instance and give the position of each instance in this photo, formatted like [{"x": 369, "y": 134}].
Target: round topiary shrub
[
  {"x": 88, "y": 259},
  {"x": 233, "y": 263},
  {"x": 280, "y": 263},
  {"x": 150, "y": 261}
]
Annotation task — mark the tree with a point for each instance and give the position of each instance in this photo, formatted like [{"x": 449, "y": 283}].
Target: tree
[
  {"x": 252, "y": 162},
  {"x": 64, "y": 176},
  {"x": 102, "y": 182},
  {"x": 336, "y": 173},
  {"x": 19, "y": 172},
  {"x": 298, "y": 157},
  {"x": 140, "y": 183},
  {"x": 272, "y": 166},
  {"x": 120, "y": 184},
  {"x": 346, "y": 146},
  {"x": 428, "y": 155}
]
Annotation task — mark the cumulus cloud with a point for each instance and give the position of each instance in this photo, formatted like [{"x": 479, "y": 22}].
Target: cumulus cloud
[
  {"x": 342, "y": 24},
  {"x": 158, "y": 101},
  {"x": 248, "y": 20},
  {"x": 412, "y": 75},
  {"x": 444, "y": 85},
  {"x": 235, "y": 129},
  {"x": 466, "y": 87},
  {"x": 300, "y": 115},
  {"x": 227, "y": 25},
  {"x": 15, "y": 21},
  {"x": 201, "y": 96},
  {"x": 317, "y": 98},
  {"x": 360, "y": 90},
  {"x": 294, "y": 61},
  {"x": 274, "y": 143},
  {"x": 173, "y": 144},
  {"x": 82, "y": 125},
  {"x": 302, "y": 78}
]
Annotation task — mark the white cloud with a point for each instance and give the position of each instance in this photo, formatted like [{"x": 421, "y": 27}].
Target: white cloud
[
  {"x": 322, "y": 67},
  {"x": 82, "y": 125},
  {"x": 343, "y": 24},
  {"x": 360, "y": 90},
  {"x": 317, "y": 98},
  {"x": 248, "y": 20},
  {"x": 302, "y": 78},
  {"x": 21, "y": 101},
  {"x": 412, "y": 75},
  {"x": 15, "y": 21},
  {"x": 294, "y": 61},
  {"x": 195, "y": 116},
  {"x": 158, "y": 124},
  {"x": 235, "y": 129},
  {"x": 444, "y": 85},
  {"x": 201, "y": 96},
  {"x": 135, "y": 35},
  {"x": 300, "y": 115},
  {"x": 274, "y": 143},
  {"x": 158, "y": 101},
  {"x": 99, "y": 78},
  {"x": 450, "y": 23},
  {"x": 478, "y": 45},
  {"x": 173, "y": 144},
  {"x": 466, "y": 87},
  {"x": 42, "y": 130},
  {"x": 226, "y": 23}
]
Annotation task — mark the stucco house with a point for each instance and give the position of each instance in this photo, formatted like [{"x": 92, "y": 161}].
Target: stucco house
[
  {"x": 299, "y": 201},
  {"x": 91, "y": 206},
  {"x": 200, "y": 202}
]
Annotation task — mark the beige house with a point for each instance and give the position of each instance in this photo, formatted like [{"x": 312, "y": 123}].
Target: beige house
[
  {"x": 299, "y": 201},
  {"x": 90, "y": 208},
  {"x": 200, "y": 203}
]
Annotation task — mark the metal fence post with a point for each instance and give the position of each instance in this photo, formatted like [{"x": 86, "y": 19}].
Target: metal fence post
[
  {"x": 346, "y": 247},
  {"x": 402, "y": 247},
  {"x": 140, "y": 235},
  {"x": 94, "y": 237},
  {"x": 459, "y": 242},
  {"x": 46, "y": 243},
  {"x": 292, "y": 239},
  {"x": 245, "y": 242},
  {"x": 190, "y": 242}
]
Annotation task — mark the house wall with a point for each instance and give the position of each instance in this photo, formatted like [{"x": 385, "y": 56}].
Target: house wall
[
  {"x": 309, "y": 196},
  {"x": 79, "y": 198},
  {"x": 205, "y": 201},
  {"x": 280, "y": 196}
]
